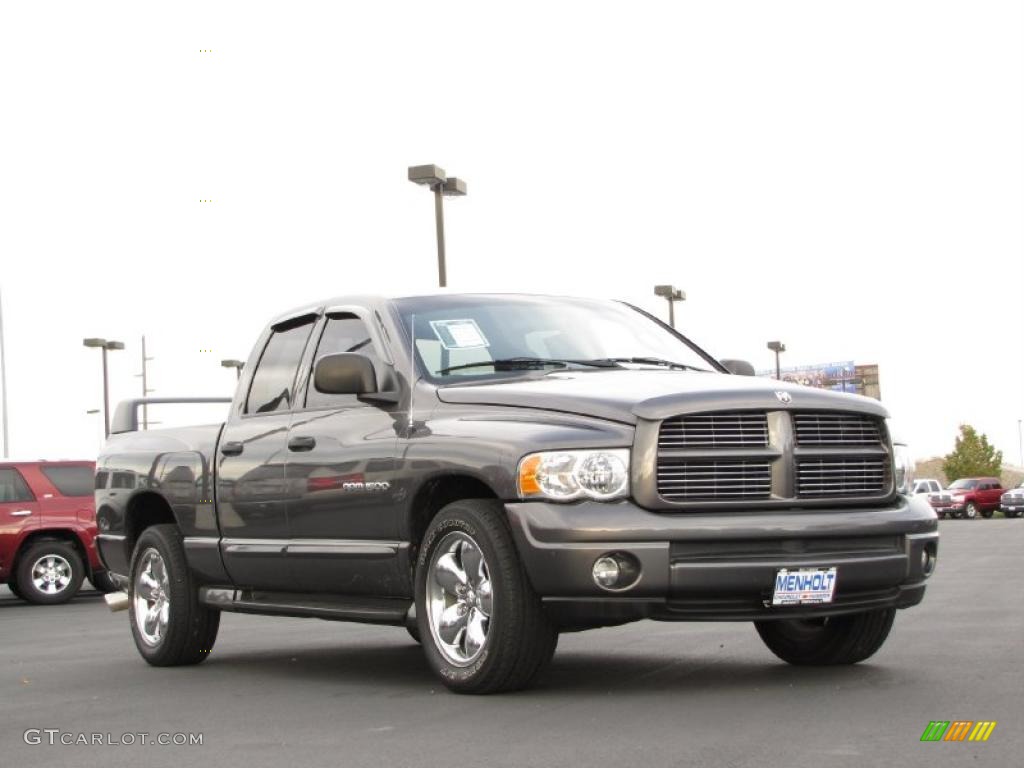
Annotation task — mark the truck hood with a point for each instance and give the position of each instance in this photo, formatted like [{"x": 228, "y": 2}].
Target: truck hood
[{"x": 626, "y": 395}]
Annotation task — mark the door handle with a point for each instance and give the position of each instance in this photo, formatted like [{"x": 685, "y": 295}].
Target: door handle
[
  {"x": 21, "y": 513},
  {"x": 301, "y": 443},
  {"x": 232, "y": 448}
]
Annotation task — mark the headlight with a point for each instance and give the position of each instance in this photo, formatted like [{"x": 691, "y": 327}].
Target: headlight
[
  {"x": 568, "y": 475},
  {"x": 904, "y": 465}
]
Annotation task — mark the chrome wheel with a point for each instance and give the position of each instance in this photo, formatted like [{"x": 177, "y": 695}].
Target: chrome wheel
[
  {"x": 459, "y": 599},
  {"x": 51, "y": 574},
  {"x": 972, "y": 511},
  {"x": 152, "y": 598}
]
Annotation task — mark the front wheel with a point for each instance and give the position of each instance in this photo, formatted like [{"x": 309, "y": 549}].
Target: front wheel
[
  {"x": 169, "y": 625},
  {"x": 830, "y": 641},
  {"x": 971, "y": 511},
  {"x": 482, "y": 625}
]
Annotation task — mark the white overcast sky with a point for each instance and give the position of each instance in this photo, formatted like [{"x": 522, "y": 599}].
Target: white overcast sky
[{"x": 845, "y": 176}]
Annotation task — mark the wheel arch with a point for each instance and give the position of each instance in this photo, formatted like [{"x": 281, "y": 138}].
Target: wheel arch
[
  {"x": 144, "y": 510},
  {"x": 433, "y": 495}
]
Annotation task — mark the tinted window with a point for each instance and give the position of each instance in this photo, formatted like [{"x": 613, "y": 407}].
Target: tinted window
[
  {"x": 343, "y": 333},
  {"x": 101, "y": 480},
  {"x": 13, "y": 487},
  {"x": 123, "y": 480},
  {"x": 70, "y": 481},
  {"x": 271, "y": 388}
]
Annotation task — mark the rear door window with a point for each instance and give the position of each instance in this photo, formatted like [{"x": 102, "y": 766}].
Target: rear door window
[
  {"x": 274, "y": 378},
  {"x": 70, "y": 481}
]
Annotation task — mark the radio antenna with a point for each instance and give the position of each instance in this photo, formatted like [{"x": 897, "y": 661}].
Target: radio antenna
[{"x": 412, "y": 367}]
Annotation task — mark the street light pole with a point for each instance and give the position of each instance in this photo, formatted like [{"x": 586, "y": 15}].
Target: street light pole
[
  {"x": 1020, "y": 442},
  {"x": 777, "y": 347},
  {"x": 672, "y": 295},
  {"x": 3, "y": 378},
  {"x": 104, "y": 346},
  {"x": 434, "y": 177},
  {"x": 236, "y": 364}
]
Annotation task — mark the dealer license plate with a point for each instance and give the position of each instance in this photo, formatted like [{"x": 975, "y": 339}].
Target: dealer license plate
[{"x": 804, "y": 586}]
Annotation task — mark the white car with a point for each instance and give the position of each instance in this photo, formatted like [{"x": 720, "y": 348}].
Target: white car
[{"x": 926, "y": 485}]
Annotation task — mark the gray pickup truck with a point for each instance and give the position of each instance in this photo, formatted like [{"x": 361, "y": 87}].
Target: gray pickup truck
[{"x": 488, "y": 471}]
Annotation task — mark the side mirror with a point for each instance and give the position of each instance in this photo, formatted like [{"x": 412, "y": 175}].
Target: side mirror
[
  {"x": 345, "y": 374},
  {"x": 738, "y": 367}
]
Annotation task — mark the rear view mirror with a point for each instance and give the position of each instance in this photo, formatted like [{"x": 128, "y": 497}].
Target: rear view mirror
[
  {"x": 738, "y": 367},
  {"x": 345, "y": 373}
]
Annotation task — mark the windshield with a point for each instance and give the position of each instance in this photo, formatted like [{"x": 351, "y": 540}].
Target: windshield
[
  {"x": 965, "y": 484},
  {"x": 475, "y": 337}
]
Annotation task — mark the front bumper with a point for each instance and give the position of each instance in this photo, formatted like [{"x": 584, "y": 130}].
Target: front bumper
[{"x": 721, "y": 565}]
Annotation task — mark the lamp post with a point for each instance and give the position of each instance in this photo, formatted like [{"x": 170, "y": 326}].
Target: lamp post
[
  {"x": 434, "y": 177},
  {"x": 105, "y": 345},
  {"x": 3, "y": 380},
  {"x": 236, "y": 364},
  {"x": 777, "y": 347},
  {"x": 672, "y": 295},
  {"x": 1020, "y": 442}
]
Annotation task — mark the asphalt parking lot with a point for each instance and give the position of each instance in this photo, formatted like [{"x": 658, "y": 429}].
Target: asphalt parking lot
[{"x": 317, "y": 693}]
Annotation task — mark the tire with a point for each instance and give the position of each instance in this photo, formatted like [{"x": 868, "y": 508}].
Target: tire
[
  {"x": 179, "y": 630},
  {"x": 481, "y": 585},
  {"x": 13, "y": 586},
  {"x": 1010, "y": 514},
  {"x": 827, "y": 642},
  {"x": 987, "y": 513},
  {"x": 940, "y": 515},
  {"x": 414, "y": 633},
  {"x": 971, "y": 510},
  {"x": 102, "y": 582},
  {"x": 50, "y": 572}
]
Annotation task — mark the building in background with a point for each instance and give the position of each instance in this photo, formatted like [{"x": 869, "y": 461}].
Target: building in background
[{"x": 844, "y": 376}]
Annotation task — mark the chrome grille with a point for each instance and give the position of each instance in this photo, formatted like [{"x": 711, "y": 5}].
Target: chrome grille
[
  {"x": 842, "y": 476},
  {"x": 715, "y": 430},
  {"x": 836, "y": 429},
  {"x": 685, "y": 480}
]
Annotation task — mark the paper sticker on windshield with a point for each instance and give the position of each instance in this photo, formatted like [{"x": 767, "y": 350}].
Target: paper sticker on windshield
[{"x": 459, "y": 334}]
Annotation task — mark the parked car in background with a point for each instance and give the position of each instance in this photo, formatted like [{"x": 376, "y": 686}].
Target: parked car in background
[
  {"x": 47, "y": 530},
  {"x": 926, "y": 485},
  {"x": 1012, "y": 502},
  {"x": 968, "y": 497}
]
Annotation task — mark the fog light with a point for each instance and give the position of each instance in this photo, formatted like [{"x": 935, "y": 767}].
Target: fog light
[
  {"x": 616, "y": 571},
  {"x": 606, "y": 572},
  {"x": 928, "y": 557}
]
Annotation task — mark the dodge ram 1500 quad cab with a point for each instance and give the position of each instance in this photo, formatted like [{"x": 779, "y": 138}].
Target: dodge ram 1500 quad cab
[{"x": 491, "y": 470}]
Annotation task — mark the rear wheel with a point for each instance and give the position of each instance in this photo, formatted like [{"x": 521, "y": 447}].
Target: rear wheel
[
  {"x": 50, "y": 572},
  {"x": 987, "y": 513},
  {"x": 13, "y": 586},
  {"x": 830, "y": 641},
  {"x": 483, "y": 627},
  {"x": 169, "y": 625}
]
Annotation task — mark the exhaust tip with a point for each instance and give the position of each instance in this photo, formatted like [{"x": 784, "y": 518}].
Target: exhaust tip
[{"x": 116, "y": 601}]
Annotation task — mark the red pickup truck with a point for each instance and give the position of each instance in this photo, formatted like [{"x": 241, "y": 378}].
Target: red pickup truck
[
  {"x": 968, "y": 497},
  {"x": 47, "y": 530}
]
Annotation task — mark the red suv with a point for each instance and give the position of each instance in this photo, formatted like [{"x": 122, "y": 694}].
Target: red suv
[
  {"x": 968, "y": 497},
  {"x": 47, "y": 526}
]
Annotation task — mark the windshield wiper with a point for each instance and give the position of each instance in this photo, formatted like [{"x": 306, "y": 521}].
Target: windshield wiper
[
  {"x": 648, "y": 361},
  {"x": 529, "y": 363}
]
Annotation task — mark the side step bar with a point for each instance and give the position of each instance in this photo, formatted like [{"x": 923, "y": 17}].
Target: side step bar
[{"x": 368, "y": 610}]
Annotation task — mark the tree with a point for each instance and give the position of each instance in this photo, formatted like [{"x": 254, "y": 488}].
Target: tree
[{"x": 973, "y": 456}]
